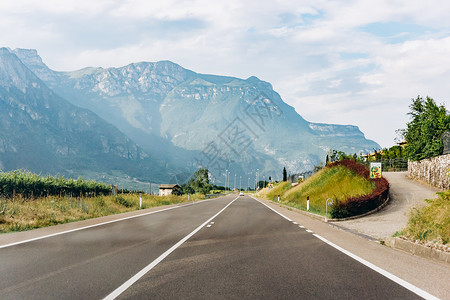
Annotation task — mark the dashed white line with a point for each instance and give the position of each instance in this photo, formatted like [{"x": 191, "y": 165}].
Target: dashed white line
[
  {"x": 385, "y": 273},
  {"x": 301, "y": 226},
  {"x": 295, "y": 223},
  {"x": 208, "y": 225},
  {"x": 154, "y": 263},
  {"x": 307, "y": 230}
]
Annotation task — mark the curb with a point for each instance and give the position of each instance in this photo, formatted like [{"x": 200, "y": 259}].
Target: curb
[
  {"x": 325, "y": 219},
  {"x": 419, "y": 250}
]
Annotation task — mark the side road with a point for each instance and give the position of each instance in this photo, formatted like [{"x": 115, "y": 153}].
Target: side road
[
  {"x": 405, "y": 194},
  {"x": 431, "y": 276}
]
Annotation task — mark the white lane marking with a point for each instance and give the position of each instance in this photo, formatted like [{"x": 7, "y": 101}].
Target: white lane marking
[
  {"x": 212, "y": 222},
  {"x": 272, "y": 209},
  {"x": 301, "y": 226},
  {"x": 307, "y": 230},
  {"x": 295, "y": 223},
  {"x": 99, "y": 224},
  {"x": 208, "y": 225},
  {"x": 385, "y": 273},
  {"x": 154, "y": 263}
]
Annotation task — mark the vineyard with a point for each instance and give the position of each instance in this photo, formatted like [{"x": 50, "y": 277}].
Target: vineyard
[{"x": 30, "y": 185}]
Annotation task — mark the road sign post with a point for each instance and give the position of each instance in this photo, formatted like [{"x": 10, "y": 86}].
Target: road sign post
[{"x": 375, "y": 170}]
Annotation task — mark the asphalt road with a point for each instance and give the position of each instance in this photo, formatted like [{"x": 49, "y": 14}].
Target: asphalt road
[{"x": 245, "y": 251}]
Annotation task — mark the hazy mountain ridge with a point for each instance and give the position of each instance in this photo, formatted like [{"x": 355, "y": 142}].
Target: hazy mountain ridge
[
  {"x": 175, "y": 113},
  {"x": 42, "y": 132}
]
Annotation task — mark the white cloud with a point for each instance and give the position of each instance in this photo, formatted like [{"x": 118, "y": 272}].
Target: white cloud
[{"x": 315, "y": 53}]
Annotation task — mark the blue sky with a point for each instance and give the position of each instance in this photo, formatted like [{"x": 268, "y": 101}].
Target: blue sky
[{"x": 344, "y": 62}]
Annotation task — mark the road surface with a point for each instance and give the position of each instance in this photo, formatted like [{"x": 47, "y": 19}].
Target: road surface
[
  {"x": 230, "y": 247},
  {"x": 405, "y": 194}
]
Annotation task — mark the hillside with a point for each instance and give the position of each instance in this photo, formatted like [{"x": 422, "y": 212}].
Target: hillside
[
  {"x": 337, "y": 183},
  {"x": 44, "y": 133}
]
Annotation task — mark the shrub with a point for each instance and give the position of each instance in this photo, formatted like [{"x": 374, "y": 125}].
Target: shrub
[{"x": 361, "y": 204}]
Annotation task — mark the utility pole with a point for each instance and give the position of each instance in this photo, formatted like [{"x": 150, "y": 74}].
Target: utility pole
[{"x": 225, "y": 183}]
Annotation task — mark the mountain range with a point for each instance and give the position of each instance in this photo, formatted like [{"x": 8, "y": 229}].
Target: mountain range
[{"x": 154, "y": 122}]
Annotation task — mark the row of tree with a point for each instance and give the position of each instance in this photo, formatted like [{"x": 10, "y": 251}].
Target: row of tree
[{"x": 30, "y": 185}]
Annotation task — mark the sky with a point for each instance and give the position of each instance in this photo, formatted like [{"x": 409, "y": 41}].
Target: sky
[{"x": 343, "y": 62}]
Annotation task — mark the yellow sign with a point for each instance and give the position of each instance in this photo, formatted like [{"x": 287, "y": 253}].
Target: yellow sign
[{"x": 375, "y": 170}]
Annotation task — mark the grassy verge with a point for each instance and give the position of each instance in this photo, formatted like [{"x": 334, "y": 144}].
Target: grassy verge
[
  {"x": 338, "y": 183},
  {"x": 20, "y": 214},
  {"x": 430, "y": 224}
]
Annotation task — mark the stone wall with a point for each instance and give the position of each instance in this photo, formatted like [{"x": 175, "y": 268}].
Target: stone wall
[{"x": 434, "y": 171}]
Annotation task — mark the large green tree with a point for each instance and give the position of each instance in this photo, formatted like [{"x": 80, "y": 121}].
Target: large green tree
[
  {"x": 425, "y": 130},
  {"x": 200, "y": 181}
]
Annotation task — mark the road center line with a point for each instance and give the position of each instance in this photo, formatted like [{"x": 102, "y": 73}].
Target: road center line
[{"x": 154, "y": 263}]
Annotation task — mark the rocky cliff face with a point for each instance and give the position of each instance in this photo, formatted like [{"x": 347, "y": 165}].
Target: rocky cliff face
[
  {"x": 191, "y": 120},
  {"x": 42, "y": 132}
]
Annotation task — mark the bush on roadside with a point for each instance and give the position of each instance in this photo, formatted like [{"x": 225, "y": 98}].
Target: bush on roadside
[
  {"x": 359, "y": 205},
  {"x": 432, "y": 222}
]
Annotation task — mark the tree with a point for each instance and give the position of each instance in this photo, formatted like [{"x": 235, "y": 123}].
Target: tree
[
  {"x": 424, "y": 132},
  {"x": 284, "y": 174},
  {"x": 200, "y": 181}
]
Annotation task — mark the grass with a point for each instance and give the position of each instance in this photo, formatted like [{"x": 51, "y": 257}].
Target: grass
[
  {"x": 338, "y": 183},
  {"x": 430, "y": 223},
  {"x": 278, "y": 189},
  {"x": 19, "y": 214}
]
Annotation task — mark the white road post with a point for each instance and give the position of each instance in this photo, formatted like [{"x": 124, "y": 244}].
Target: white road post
[
  {"x": 307, "y": 203},
  {"x": 328, "y": 203},
  {"x": 140, "y": 200}
]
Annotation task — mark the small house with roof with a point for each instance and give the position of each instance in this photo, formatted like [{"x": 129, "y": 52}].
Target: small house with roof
[{"x": 167, "y": 189}]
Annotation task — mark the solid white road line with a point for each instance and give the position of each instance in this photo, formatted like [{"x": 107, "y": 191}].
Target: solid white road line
[
  {"x": 99, "y": 224},
  {"x": 385, "y": 273},
  {"x": 154, "y": 263},
  {"x": 271, "y": 208}
]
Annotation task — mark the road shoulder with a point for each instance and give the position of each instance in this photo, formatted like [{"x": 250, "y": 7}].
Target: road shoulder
[{"x": 17, "y": 237}]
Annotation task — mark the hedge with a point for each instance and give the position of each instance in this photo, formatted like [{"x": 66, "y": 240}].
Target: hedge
[{"x": 361, "y": 204}]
